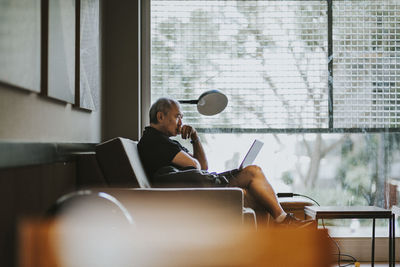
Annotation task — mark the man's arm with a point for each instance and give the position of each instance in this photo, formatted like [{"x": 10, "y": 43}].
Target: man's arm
[
  {"x": 198, "y": 151},
  {"x": 199, "y": 154},
  {"x": 183, "y": 159}
]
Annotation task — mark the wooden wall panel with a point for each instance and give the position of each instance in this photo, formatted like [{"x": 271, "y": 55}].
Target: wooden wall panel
[{"x": 29, "y": 192}]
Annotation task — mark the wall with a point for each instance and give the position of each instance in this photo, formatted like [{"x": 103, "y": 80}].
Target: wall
[
  {"x": 42, "y": 132},
  {"x": 27, "y": 192},
  {"x": 37, "y": 128},
  {"x": 121, "y": 69},
  {"x": 30, "y": 117},
  {"x": 26, "y": 116}
]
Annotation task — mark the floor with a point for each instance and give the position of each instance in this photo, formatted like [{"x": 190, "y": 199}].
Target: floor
[{"x": 377, "y": 264}]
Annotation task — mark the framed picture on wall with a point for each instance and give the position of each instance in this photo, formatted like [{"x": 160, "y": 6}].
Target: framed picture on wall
[
  {"x": 88, "y": 65},
  {"x": 20, "y": 43},
  {"x": 61, "y": 50}
]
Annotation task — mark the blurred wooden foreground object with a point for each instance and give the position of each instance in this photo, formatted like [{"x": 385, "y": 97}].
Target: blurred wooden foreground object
[{"x": 42, "y": 244}]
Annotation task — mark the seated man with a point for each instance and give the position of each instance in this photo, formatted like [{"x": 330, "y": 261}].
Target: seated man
[{"x": 157, "y": 150}]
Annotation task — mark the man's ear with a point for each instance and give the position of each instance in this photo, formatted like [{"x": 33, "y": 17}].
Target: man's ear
[{"x": 160, "y": 116}]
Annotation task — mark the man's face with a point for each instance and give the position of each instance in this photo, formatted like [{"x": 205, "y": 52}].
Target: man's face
[{"x": 172, "y": 121}]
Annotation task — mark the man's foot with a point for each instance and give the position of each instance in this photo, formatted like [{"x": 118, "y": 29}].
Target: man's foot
[{"x": 292, "y": 221}]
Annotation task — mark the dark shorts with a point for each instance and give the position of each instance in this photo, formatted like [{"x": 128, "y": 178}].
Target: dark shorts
[{"x": 172, "y": 177}]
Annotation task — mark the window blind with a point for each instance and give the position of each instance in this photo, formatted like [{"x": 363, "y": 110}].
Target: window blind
[
  {"x": 366, "y": 64},
  {"x": 271, "y": 59}
]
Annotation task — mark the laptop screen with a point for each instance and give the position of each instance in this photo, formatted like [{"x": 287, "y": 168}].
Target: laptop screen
[{"x": 251, "y": 154}]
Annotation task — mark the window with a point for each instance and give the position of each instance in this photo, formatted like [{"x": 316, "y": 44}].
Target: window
[
  {"x": 268, "y": 57},
  {"x": 281, "y": 63},
  {"x": 366, "y": 69},
  {"x": 317, "y": 81}
]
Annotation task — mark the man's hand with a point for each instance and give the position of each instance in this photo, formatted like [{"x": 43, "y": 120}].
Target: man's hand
[{"x": 188, "y": 131}]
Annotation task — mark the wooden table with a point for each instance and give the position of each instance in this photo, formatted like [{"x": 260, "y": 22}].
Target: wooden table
[{"x": 358, "y": 212}]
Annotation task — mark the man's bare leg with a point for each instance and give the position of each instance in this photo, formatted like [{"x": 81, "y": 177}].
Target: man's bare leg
[{"x": 253, "y": 180}]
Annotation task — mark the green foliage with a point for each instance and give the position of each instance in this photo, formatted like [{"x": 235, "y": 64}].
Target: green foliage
[
  {"x": 287, "y": 178},
  {"x": 354, "y": 173},
  {"x": 392, "y": 146},
  {"x": 347, "y": 147}
]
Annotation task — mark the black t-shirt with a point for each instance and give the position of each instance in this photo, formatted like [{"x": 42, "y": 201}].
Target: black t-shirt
[{"x": 157, "y": 150}]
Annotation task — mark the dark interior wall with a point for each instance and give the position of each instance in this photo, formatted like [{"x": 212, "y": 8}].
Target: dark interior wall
[{"x": 121, "y": 69}]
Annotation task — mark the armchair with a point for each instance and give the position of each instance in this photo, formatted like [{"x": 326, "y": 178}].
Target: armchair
[{"x": 120, "y": 163}]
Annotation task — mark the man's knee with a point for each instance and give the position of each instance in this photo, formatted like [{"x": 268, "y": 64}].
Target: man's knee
[{"x": 253, "y": 170}]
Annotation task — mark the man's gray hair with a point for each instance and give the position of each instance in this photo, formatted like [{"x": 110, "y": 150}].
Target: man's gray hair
[{"x": 161, "y": 105}]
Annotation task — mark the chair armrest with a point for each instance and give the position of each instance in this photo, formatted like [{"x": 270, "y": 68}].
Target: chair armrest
[
  {"x": 189, "y": 204},
  {"x": 249, "y": 218}
]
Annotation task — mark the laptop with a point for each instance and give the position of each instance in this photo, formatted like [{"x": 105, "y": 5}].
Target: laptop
[{"x": 248, "y": 159}]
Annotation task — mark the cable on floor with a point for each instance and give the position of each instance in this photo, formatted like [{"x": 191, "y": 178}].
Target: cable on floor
[{"x": 339, "y": 260}]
